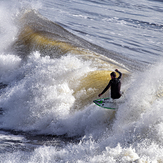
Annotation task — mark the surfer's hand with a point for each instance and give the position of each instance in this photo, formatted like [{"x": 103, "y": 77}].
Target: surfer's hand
[
  {"x": 116, "y": 70},
  {"x": 99, "y": 95}
]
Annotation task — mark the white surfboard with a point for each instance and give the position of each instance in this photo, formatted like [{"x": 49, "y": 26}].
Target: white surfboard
[{"x": 106, "y": 103}]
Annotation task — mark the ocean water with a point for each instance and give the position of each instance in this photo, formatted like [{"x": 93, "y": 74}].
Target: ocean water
[{"x": 56, "y": 57}]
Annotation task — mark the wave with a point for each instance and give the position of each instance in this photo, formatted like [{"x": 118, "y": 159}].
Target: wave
[
  {"x": 37, "y": 33},
  {"x": 61, "y": 75},
  {"x": 50, "y": 39},
  {"x": 52, "y": 79},
  {"x": 53, "y": 73}
]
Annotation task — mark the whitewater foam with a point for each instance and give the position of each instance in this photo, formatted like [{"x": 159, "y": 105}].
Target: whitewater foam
[
  {"x": 8, "y": 29},
  {"x": 40, "y": 90}
]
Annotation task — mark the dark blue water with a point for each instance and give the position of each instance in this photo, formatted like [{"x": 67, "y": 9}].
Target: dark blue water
[{"x": 133, "y": 29}]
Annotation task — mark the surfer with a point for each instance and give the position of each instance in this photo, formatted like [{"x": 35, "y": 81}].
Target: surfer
[{"x": 115, "y": 85}]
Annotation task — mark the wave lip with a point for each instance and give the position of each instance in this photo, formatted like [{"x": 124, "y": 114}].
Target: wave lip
[{"x": 37, "y": 33}]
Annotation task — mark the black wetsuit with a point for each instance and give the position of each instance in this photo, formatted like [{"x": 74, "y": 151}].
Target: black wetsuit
[{"x": 115, "y": 84}]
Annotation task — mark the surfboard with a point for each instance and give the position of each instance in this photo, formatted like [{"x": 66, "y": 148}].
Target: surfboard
[{"x": 106, "y": 103}]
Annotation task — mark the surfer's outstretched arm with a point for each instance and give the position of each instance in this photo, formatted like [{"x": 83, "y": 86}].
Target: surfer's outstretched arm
[{"x": 107, "y": 87}]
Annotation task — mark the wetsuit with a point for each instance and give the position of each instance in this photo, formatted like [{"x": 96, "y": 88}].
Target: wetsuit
[{"x": 115, "y": 84}]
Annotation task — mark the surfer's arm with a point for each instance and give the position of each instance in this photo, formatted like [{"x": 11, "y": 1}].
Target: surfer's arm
[
  {"x": 120, "y": 74},
  {"x": 107, "y": 87}
]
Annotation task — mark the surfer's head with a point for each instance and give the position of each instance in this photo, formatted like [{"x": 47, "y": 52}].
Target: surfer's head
[{"x": 113, "y": 75}]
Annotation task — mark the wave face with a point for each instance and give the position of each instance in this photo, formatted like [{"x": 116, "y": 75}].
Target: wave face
[{"x": 39, "y": 34}]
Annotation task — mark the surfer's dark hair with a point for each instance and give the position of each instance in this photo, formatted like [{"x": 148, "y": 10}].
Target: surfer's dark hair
[{"x": 113, "y": 74}]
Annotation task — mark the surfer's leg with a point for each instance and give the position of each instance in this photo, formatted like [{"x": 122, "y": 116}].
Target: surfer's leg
[{"x": 115, "y": 103}]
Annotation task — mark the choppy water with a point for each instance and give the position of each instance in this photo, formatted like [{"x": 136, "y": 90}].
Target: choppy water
[{"x": 56, "y": 57}]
